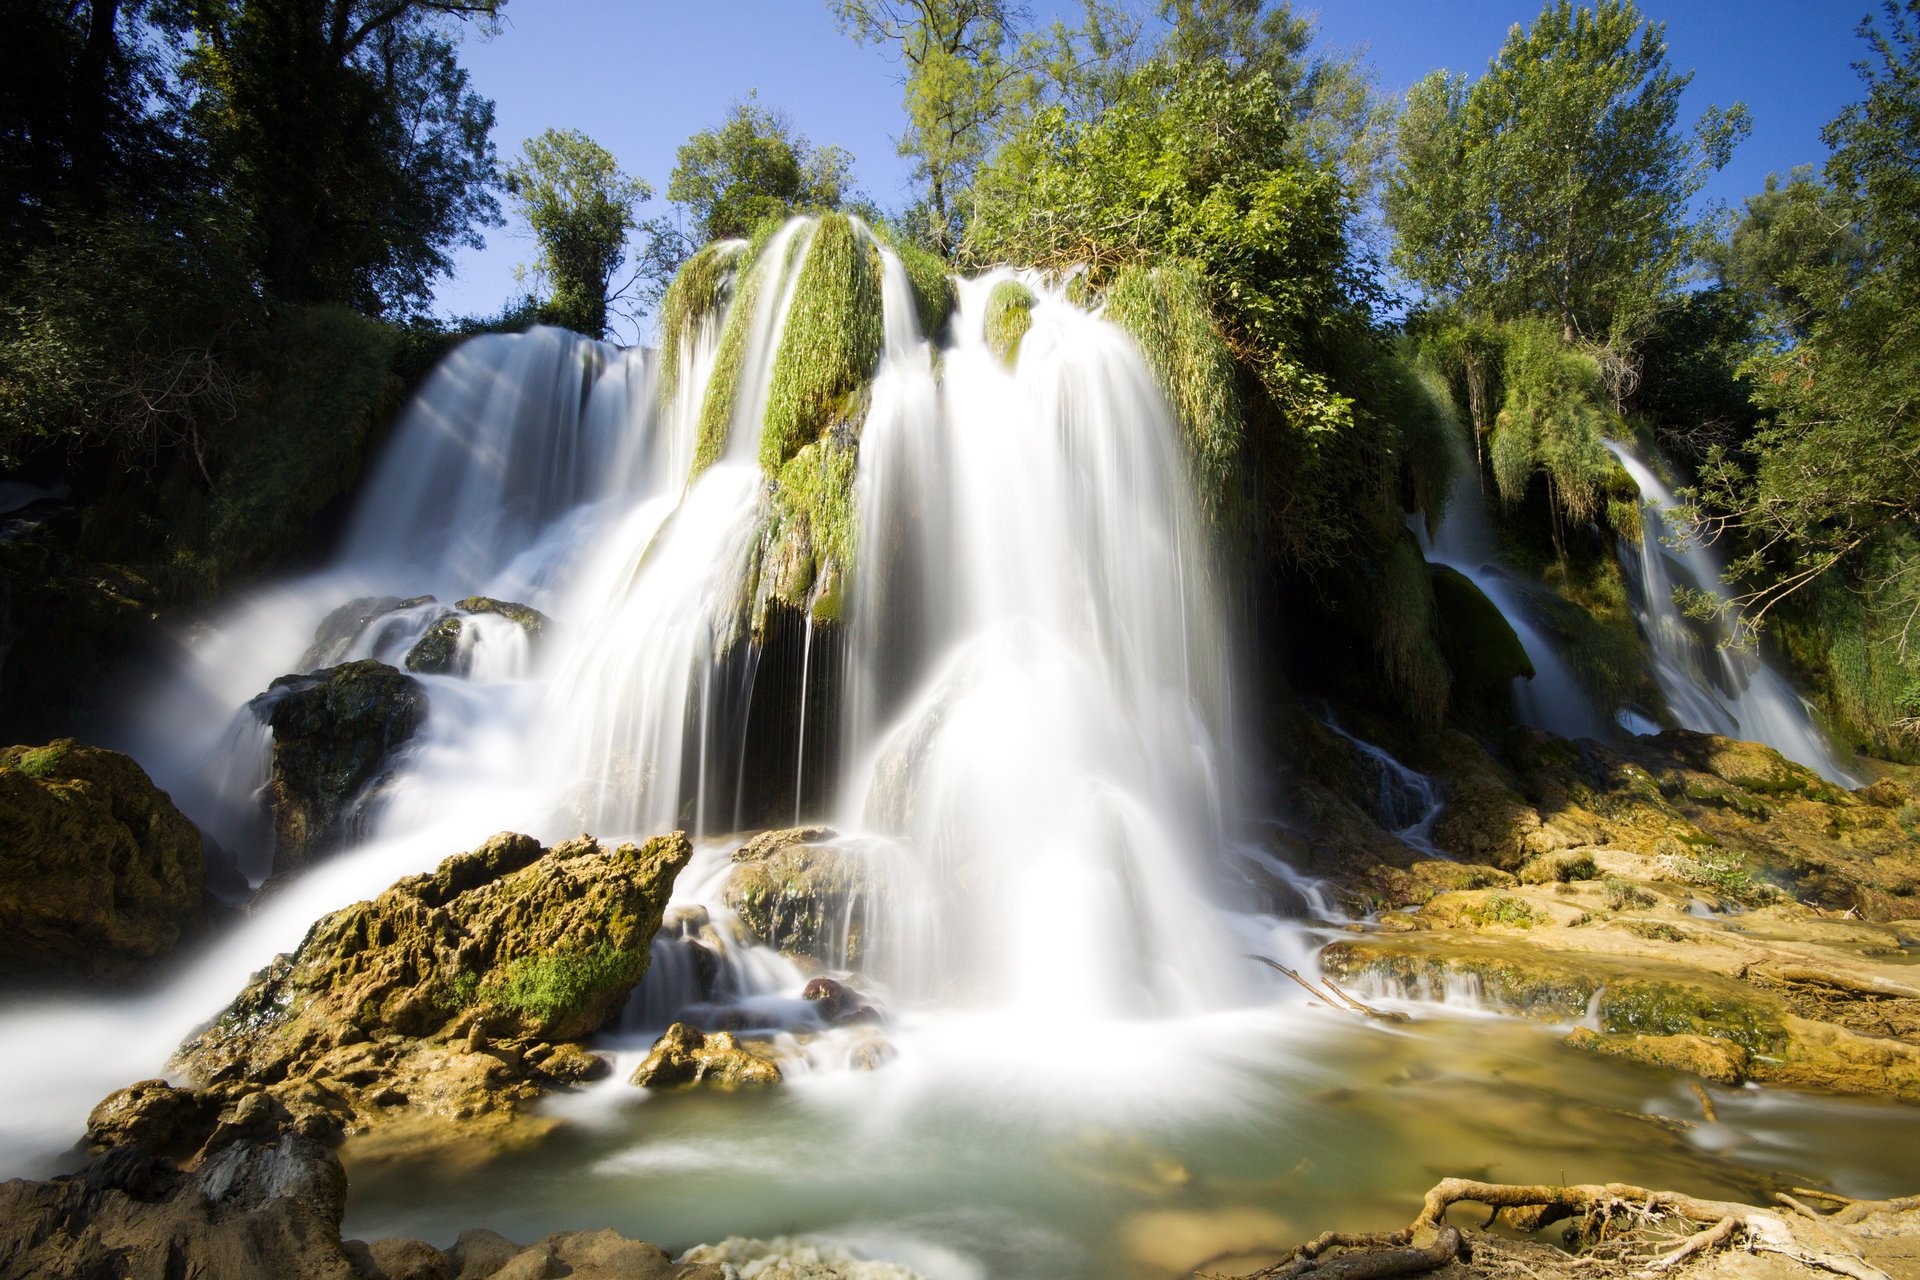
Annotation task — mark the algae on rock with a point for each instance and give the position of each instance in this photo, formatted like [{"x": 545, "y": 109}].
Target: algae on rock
[
  {"x": 99, "y": 873},
  {"x": 831, "y": 341},
  {"x": 1164, "y": 309},
  {"x": 1009, "y": 316}
]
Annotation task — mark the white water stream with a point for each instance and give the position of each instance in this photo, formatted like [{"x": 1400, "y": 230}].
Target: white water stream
[
  {"x": 1036, "y": 755},
  {"x": 1710, "y": 685}
]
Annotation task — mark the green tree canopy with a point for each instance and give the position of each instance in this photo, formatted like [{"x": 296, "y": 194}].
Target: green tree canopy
[
  {"x": 581, "y": 208},
  {"x": 1558, "y": 184},
  {"x": 961, "y": 67},
  {"x": 347, "y": 136},
  {"x": 753, "y": 167},
  {"x": 1833, "y": 473}
]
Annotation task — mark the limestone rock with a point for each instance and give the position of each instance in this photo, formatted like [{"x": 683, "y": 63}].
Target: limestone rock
[
  {"x": 685, "y": 1056},
  {"x": 453, "y": 996},
  {"x": 99, "y": 873},
  {"x": 1705, "y": 1056},
  {"x": 802, "y": 895},
  {"x": 333, "y": 734},
  {"x": 439, "y": 650},
  {"x": 250, "y": 1209}
]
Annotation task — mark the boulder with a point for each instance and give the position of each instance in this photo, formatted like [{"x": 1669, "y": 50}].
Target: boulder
[
  {"x": 686, "y": 1056},
  {"x": 802, "y": 895},
  {"x": 249, "y": 1209},
  {"x": 333, "y": 638},
  {"x": 453, "y": 996},
  {"x": 99, "y": 874},
  {"x": 334, "y": 732},
  {"x": 439, "y": 651}
]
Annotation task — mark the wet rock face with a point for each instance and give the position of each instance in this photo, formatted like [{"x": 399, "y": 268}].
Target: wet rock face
[
  {"x": 802, "y": 895},
  {"x": 451, "y": 996},
  {"x": 333, "y": 734},
  {"x": 439, "y": 651},
  {"x": 250, "y": 1208},
  {"x": 99, "y": 874}
]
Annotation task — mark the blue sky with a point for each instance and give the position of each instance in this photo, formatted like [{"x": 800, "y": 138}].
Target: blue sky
[{"x": 639, "y": 76}]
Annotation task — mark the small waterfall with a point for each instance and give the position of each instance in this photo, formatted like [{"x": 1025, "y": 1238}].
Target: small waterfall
[
  {"x": 1710, "y": 685},
  {"x": 1407, "y": 803},
  {"x": 1553, "y": 700}
]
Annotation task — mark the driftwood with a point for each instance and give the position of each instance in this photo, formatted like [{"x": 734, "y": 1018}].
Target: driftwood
[
  {"x": 1815, "y": 1240},
  {"x": 1332, "y": 995}
]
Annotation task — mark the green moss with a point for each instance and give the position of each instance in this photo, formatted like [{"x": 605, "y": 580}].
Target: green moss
[
  {"x": 1165, "y": 310},
  {"x": 831, "y": 340},
  {"x": 1589, "y": 613},
  {"x": 811, "y": 530},
  {"x": 38, "y": 762},
  {"x": 1659, "y": 1008},
  {"x": 1499, "y": 908},
  {"x": 549, "y": 987},
  {"x": 723, "y": 384},
  {"x": 1399, "y": 605},
  {"x": 930, "y": 279},
  {"x": 1421, "y": 409},
  {"x": 1478, "y": 643},
  {"x": 699, "y": 288},
  {"x": 1009, "y": 316}
]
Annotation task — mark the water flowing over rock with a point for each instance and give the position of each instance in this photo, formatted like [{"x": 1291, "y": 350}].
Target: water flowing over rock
[
  {"x": 447, "y": 646},
  {"x": 99, "y": 874},
  {"x": 1710, "y": 685},
  {"x": 802, "y": 893},
  {"x": 456, "y": 994},
  {"x": 333, "y": 733}
]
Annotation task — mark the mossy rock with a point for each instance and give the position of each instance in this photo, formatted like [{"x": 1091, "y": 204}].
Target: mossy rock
[
  {"x": 832, "y": 338},
  {"x": 529, "y": 619},
  {"x": 1478, "y": 643},
  {"x": 700, "y": 288},
  {"x": 1708, "y": 1057},
  {"x": 808, "y": 549},
  {"x": 931, "y": 282},
  {"x": 510, "y": 945},
  {"x": 335, "y": 635},
  {"x": 333, "y": 734},
  {"x": 100, "y": 875},
  {"x": 1009, "y": 316},
  {"x": 437, "y": 651},
  {"x": 802, "y": 895}
]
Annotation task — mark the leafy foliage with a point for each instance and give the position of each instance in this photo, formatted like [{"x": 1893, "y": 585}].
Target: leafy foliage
[
  {"x": 581, "y": 207},
  {"x": 754, "y": 167}
]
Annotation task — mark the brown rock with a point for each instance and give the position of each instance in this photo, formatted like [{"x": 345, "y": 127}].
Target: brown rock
[
  {"x": 1708, "y": 1057},
  {"x": 685, "y": 1056},
  {"x": 401, "y": 1259},
  {"x": 99, "y": 874}
]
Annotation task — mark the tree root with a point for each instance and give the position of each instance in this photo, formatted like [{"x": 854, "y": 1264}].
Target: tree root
[{"x": 1607, "y": 1211}]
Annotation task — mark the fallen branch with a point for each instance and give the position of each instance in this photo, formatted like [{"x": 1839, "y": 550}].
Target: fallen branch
[
  {"x": 1333, "y": 996},
  {"x": 1712, "y": 1238}
]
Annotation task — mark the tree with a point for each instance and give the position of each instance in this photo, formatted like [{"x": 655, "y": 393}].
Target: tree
[
  {"x": 962, "y": 67},
  {"x": 754, "y": 167},
  {"x": 581, "y": 208},
  {"x": 1556, "y": 185},
  {"x": 346, "y": 134},
  {"x": 1831, "y": 479}
]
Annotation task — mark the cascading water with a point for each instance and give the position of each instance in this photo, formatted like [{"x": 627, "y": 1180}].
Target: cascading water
[
  {"x": 1553, "y": 699},
  {"x": 1028, "y": 707},
  {"x": 1710, "y": 685},
  {"x": 1406, "y": 802}
]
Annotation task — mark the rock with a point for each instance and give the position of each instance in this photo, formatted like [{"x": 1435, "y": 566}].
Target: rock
[
  {"x": 165, "y": 1120},
  {"x": 480, "y": 1253},
  {"x": 1476, "y": 639},
  {"x": 402, "y": 1259},
  {"x": 452, "y": 996},
  {"x": 333, "y": 638},
  {"x": 333, "y": 734},
  {"x": 831, "y": 1000},
  {"x": 1712, "y": 1059},
  {"x": 685, "y": 1056},
  {"x": 791, "y": 1258},
  {"x": 250, "y": 1209},
  {"x": 439, "y": 650},
  {"x": 99, "y": 874},
  {"x": 802, "y": 896}
]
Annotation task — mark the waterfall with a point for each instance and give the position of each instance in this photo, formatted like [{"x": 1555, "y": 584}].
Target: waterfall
[
  {"x": 1553, "y": 700},
  {"x": 1710, "y": 685},
  {"x": 1020, "y": 727}
]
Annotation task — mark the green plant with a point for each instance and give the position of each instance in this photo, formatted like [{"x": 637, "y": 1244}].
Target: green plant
[
  {"x": 551, "y": 986},
  {"x": 1624, "y": 894},
  {"x": 1503, "y": 909},
  {"x": 830, "y": 343},
  {"x": 1009, "y": 316}
]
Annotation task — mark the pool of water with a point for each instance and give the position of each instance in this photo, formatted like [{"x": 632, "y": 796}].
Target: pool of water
[{"x": 1007, "y": 1149}]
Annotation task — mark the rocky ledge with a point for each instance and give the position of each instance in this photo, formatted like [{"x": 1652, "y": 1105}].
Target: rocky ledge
[
  {"x": 1691, "y": 902},
  {"x": 431, "y": 1014}
]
